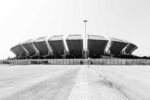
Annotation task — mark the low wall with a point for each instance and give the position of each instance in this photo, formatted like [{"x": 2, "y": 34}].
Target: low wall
[{"x": 78, "y": 61}]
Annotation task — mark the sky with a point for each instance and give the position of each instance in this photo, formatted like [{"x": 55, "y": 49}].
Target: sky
[{"x": 21, "y": 20}]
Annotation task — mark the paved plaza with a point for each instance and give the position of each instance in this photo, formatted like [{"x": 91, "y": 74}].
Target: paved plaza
[{"x": 74, "y": 82}]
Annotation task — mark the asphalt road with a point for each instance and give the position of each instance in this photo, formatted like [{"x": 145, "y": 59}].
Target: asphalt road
[{"x": 76, "y": 82}]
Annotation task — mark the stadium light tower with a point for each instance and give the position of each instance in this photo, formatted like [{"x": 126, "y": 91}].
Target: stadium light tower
[
  {"x": 85, "y": 21},
  {"x": 85, "y": 52}
]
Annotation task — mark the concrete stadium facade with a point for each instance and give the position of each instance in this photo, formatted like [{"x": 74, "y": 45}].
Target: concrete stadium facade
[{"x": 73, "y": 46}]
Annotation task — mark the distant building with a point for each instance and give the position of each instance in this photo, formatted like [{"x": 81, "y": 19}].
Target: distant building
[{"x": 73, "y": 46}]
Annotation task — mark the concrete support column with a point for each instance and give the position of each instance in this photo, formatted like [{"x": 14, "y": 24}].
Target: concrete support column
[
  {"x": 65, "y": 54},
  {"x": 85, "y": 54}
]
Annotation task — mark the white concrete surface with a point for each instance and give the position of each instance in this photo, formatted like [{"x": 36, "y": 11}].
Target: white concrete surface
[{"x": 74, "y": 82}]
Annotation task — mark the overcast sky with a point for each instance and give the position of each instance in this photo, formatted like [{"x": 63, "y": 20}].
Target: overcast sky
[{"x": 21, "y": 20}]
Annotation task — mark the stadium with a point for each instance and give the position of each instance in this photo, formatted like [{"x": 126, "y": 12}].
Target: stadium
[{"x": 75, "y": 46}]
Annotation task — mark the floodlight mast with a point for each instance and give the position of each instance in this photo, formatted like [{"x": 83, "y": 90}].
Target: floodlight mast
[
  {"x": 85, "y": 51},
  {"x": 85, "y": 21}
]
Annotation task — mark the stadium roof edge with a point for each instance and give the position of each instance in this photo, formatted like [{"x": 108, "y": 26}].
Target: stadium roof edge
[
  {"x": 56, "y": 37},
  {"x": 39, "y": 39},
  {"x": 97, "y": 37},
  {"x": 76, "y": 37}
]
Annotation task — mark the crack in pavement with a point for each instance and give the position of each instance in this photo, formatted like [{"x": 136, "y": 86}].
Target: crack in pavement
[{"x": 92, "y": 86}]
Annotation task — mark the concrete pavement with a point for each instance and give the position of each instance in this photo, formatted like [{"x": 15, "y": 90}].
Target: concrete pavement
[{"x": 76, "y": 82}]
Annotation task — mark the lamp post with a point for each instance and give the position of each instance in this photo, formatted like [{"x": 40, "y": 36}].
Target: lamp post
[
  {"x": 85, "y": 21},
  {"x": 85, "y": 41}
]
